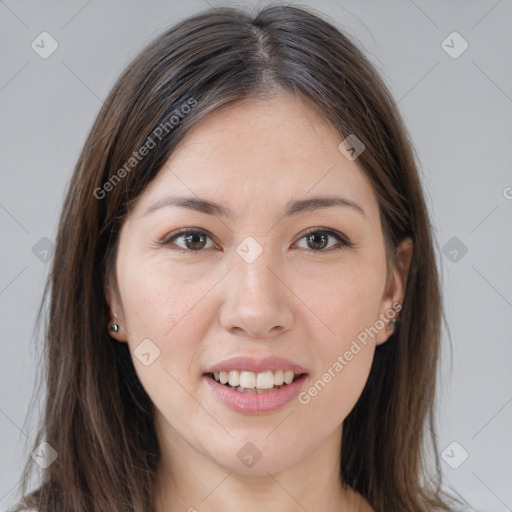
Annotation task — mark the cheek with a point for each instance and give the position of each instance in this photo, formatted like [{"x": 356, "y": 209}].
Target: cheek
[
  {"x": 348, "y": 305},
  {"x": 165, "y": 306},
  {"x": 347, "y": 300},
  {"x": 162, "y": 306},
  {"x": 339, "y": 379},
  {"x": 157, "y": 294},
  {"x": 339, "y": 386}
]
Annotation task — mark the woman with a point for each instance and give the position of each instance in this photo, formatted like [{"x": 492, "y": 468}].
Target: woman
[{"x": 245, "y": 309}]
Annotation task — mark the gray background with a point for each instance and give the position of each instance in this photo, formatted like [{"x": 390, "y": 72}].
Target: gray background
[{"x": 458, "y": 111}]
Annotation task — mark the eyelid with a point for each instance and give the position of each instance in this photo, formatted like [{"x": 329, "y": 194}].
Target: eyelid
[
  {"x": 167, "y": 240},
  {"x": 342, "y": 239},
  {"x": 329, "y": 231}
]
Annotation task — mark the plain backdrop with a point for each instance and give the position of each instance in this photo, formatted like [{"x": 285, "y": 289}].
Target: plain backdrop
[{"x": 455, "y": 93}]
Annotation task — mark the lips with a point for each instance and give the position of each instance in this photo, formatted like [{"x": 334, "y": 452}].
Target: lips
[
  {"x": 255, "y": 386},
  {"x": 250, "y": 364}
]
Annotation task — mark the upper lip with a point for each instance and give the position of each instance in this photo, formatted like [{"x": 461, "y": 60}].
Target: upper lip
[{"x": 252, "y": 364}]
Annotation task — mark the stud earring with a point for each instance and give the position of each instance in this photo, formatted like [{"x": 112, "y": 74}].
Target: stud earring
[
  {"x": 391, "y": 325},
  {"x": 114, "y": 327}
]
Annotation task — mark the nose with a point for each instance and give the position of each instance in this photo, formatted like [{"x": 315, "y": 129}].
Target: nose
[{"x": 257, "y": 299}]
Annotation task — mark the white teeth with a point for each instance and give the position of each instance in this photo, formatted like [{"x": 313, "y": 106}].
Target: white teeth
[
  {"x": 247, "y": 380},
  {"x": 278, "y": 378},
  {"x": 250, "y": 381},
  {"x": 265, "y": 380},
  {"x": 288, "y": 376},
  {"x": 234, "y": 378}
]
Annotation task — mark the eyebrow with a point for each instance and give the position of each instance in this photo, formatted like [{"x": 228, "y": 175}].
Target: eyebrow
[{"x": 292, "y": 207}]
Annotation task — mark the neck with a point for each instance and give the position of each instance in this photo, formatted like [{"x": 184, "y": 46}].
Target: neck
[{"x": 187, "y": 480}]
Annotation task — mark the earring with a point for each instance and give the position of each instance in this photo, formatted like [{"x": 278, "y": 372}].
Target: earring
[
  {"x": 391, "y": 325},
  {"x": 114, "y": 327}
]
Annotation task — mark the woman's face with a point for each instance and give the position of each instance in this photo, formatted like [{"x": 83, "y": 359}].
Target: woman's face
[{"x": 250, "y": 282}]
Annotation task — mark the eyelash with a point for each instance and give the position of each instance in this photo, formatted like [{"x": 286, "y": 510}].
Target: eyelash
[{"x": 343, "y": 241}]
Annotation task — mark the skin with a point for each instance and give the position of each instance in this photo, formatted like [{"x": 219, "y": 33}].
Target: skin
[{"x": 293, "y": 301}]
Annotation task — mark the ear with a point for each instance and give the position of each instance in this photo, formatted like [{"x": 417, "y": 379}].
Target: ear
[
  {"x": 116, "y": 315},
  {"x": 395, "y": 289}
]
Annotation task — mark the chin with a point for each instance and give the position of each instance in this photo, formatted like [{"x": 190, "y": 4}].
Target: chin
[{"x": 257, "y": 455}]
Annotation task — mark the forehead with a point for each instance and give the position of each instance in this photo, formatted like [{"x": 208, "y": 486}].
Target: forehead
[{"x": 264, "y": 151}]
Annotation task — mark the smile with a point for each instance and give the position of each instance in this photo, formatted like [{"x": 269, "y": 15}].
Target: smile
[
  {"x": 251, "y": 382},
  {"x": 255, "y": 393}
]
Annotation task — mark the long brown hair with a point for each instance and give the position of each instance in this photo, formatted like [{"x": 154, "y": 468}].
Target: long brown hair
[{"x": 97, "y": 416}]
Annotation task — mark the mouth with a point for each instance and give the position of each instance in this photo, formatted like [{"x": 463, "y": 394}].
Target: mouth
[
  {"x": 248, "y": 384},
  {"x": 255, "y": 383}
]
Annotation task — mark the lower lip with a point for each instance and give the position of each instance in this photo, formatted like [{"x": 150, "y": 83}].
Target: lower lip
[{"x": 256, "y": 403}]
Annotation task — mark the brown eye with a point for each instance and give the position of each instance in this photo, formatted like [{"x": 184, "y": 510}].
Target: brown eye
[
  {"x": 318, "y": 240},
  {"x": 193, "y": 240}
]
